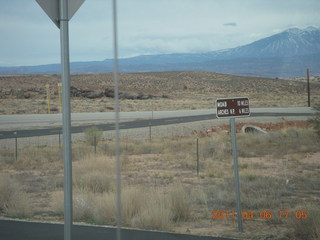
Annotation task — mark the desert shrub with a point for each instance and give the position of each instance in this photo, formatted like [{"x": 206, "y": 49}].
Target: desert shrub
[
  {"x": 279, "y": 143},
  {"x": 221, "y": 195},
  {"x": 94, "y": 173},
  {"x": 41, "y": 157},
  {"x": 199, "y": 196},
  {"x": 93, "y": 135},
  {"x": 104, "y": 210},
  {"x": 132, "y": 201},
  {"x": 261, "y": 192},
  {"x": 308, "y": 228},
  {"x": 257, "y": 192},
  {"x": 88, "y": 207},
  {"x": 156, "y": 213},
  {"x": 217, "y": 147},
  {"x": 82, "y": 206},
  {"x": 156, "y": 209},
  {"x": 56, "y": 202},
  {"x": 14, "y": 201},
  {"x": 180, "y": 203}
]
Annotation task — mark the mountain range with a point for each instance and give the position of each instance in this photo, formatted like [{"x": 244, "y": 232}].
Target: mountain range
[{"x": 286, "y": 54}]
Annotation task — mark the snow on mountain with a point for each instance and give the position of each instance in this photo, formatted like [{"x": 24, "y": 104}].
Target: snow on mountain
[
  {"x": 289, "y": 43},
  {"x": 285, "y": 54}
]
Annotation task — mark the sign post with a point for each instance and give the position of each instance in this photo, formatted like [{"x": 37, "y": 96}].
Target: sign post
[
  {"x": 60, "y": 12},
  {"x": 66, "y": 119},
  {"x": 232, "y": 108},
  {"x": 236, "y": 172}
]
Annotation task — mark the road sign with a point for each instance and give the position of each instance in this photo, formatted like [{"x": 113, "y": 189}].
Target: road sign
[
  {"x": 60, "y": 12},
  {"x": 51, "y": 7},
  {"x": 232, "y": 107}
]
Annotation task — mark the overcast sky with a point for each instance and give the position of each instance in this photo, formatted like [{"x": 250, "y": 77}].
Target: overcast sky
[{"x": 29, "y": 37}]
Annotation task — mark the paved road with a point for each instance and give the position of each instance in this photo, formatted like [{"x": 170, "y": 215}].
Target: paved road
[
  {"x": 129, "y": 120},
  {"x": 19, "y": 230}
]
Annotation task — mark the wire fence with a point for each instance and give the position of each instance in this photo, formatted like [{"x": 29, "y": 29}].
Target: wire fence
[
  {"x": 12, "y": 148},
  {"x": 272, "y": 166}
]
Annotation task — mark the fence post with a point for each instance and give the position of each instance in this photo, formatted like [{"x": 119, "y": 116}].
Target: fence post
[
  {"x": 150, "y": 130},
  {"x": 59, "y": 138},
  {"x": 16, "y": 144},
  {"x": 95, "y": 143},
  {"x": 48, "y": 97},
  {"x": 60, "y": 97},
  {"x": 197, "y": 157}
]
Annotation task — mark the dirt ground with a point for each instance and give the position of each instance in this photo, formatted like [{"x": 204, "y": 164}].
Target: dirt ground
[
  {"x": 147, "y": 171},
  {"x": 298, "y": 171}
]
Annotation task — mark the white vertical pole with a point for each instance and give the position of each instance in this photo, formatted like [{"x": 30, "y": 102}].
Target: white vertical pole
[
  {"x": 66, "y": 118},
  {"x": 117, "y": 119},
  {"x": 236, "y": 171}
]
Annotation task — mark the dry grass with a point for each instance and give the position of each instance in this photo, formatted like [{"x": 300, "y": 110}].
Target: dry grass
[
  {"x": 308, "y": 228},
  {"x": 94, "y": 173},
  {"x": 256, "y": 193},
  {"x": 180, "y": 203},
  {"x": 149, "y": 209},
  {"x": 42, "y": 157},
  {"x": 278, "y": 144},
  {"x": 160, "y": 187},
  {"x": 161, "y": 190},
  {"x": 156, "y": 213},
  {"x": 14, "y": 201}
]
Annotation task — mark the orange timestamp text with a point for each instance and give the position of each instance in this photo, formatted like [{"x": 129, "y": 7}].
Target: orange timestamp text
[{"x": 263, "y": 214}]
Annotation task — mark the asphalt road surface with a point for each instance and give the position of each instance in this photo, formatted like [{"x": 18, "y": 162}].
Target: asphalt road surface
[
  {"x": 37, "y": 125},
  {"x": 19, "y": 230}
]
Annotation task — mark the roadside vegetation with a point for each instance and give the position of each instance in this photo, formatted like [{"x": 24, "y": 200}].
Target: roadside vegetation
[
  {"x": 150, "y": 91},
  {"x": 161, "y": 188},
  {"x": 14, "y": 201}
]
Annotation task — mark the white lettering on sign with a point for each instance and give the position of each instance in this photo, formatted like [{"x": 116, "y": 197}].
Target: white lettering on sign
[
  {"x": 233, "y": 107},
  {"x": 222, "y": 104},
  {"x": 223, "y": 112},
  {"x": 243, "y": 103},
  {"x": 244, "y": 110}
]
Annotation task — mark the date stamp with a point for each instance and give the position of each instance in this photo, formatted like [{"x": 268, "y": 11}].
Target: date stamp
[{"x": 263, "y": 214}]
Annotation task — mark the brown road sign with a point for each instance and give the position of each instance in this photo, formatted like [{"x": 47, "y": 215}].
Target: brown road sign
[{"x": 232, "y": 107}]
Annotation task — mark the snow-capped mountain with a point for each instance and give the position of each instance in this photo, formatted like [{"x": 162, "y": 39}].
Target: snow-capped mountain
[
  {"x": 286, "y": 54},
  {"x": 289, "y": 43}
]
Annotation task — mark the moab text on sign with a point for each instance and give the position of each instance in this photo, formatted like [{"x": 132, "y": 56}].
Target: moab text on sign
[{"x": 233, "y": 107}]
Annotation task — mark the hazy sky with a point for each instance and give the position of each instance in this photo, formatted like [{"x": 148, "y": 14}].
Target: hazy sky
[{"x": 29, "y": 37}]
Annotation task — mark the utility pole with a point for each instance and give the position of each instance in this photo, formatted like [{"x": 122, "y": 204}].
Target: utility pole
[{"x": 308, "y": 87}]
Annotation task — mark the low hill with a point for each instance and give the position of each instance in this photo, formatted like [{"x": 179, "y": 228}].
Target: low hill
[{"x": 151, "y": 90}]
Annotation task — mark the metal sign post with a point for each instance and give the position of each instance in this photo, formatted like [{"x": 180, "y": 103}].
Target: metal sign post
[
  {"x": 236, "y": 171},
  {"x": 117, "y": 120},
  {"x": 60, "y": 12},
  {"x": 66, "y": 119},
  {"x": 232, "y": 108}
]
